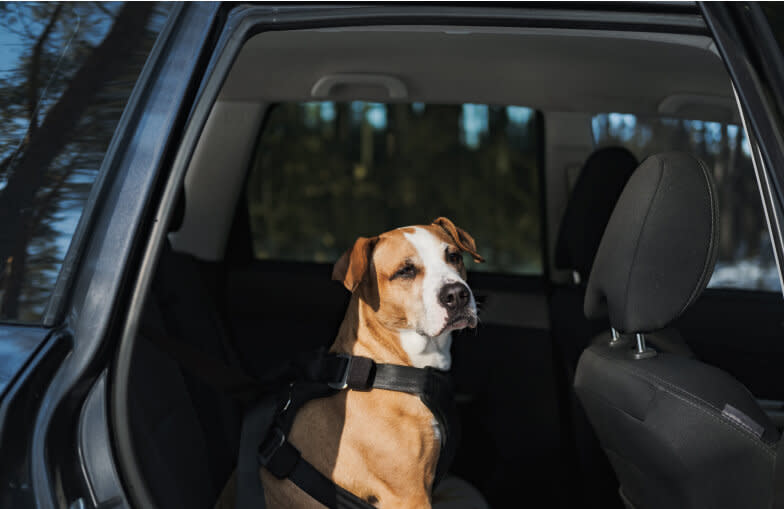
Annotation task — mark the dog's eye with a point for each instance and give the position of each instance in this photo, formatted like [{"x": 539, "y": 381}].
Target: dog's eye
[
  {"x": 408, "y": 271},
  {"x": 454, "y": 257}
]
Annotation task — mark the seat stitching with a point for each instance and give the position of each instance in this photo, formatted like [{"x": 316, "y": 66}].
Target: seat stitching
[
  {"x": 674, "y": 391},
  {"x": 707, "y": 261},
  {"x": 645, "y": 374},
  {"x": 639, "y": 237}
]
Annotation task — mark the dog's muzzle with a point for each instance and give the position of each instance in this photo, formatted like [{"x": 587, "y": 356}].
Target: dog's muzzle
[{"x": 455, "y": 298}]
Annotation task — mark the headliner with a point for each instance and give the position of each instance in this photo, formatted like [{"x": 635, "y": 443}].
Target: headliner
[{"x": 548, "y": 69}]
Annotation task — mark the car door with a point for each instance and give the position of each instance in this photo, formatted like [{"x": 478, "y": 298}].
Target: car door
[
  {"x": 748, "y": 38},
  {"x": 90, "y": 103}
]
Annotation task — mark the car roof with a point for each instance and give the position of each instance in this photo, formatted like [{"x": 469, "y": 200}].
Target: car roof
[{"x": 569, "y": 70}]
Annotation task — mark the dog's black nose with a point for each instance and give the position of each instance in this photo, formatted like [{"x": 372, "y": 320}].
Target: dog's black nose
[{"x": 454, "y": 296}]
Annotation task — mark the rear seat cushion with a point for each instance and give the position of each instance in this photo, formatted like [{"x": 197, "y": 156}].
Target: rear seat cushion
[{"x": 170, "y": 443}]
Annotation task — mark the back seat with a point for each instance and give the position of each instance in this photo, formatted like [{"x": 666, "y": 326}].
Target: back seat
[{"x": 185, "y": 432}]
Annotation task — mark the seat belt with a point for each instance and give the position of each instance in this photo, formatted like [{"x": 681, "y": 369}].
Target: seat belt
[{"x": 256, "y": 423}]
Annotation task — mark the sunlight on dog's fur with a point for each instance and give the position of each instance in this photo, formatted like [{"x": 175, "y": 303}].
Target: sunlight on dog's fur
[{"x": 409, "y": 294}]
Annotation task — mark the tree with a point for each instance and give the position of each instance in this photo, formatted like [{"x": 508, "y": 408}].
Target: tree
[
  {"x": 310, "y": 195},
  {"x": 58, "y": 110}
]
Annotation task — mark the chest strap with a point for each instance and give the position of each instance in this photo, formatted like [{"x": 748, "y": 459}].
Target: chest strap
[{"x": 325, "y": 375}]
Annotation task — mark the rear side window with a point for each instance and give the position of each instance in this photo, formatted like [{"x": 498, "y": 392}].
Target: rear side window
[
  {"x": 325, "y": 173},
  {"x": 66, "y": 72},
  {"x": 745, "y": 258}
]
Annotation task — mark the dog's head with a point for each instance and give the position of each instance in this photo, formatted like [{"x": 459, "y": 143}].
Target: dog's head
[{"x": 414, "y": 277}]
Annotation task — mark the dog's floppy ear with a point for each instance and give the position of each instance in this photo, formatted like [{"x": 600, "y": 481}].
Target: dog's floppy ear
[
  {"x": 461, "y": 237},
  {"x": 350, "y": 269}
]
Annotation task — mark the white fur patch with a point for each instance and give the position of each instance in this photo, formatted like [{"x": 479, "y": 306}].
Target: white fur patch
[
  {"x": 424, "y": 351},
  {"x": 427, "y": 344}
]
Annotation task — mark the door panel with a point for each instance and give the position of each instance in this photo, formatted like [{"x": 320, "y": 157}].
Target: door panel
[{"x": 741, "y": 332}]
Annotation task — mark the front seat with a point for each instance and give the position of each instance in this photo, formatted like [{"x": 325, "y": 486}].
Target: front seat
[
  {"x": 591, "y": 202},
  {"x": 679, "y": 433}
]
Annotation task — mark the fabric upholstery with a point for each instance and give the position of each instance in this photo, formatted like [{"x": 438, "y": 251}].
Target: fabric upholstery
[
  {"x": 170, "y": 443},
  {"x": 660, "y": 421},
  {"x": 591, "y": 202},
  {"x": 185, "y": 432},
  {"x": 678, "y": 432},
  {"x": 659, "y": 248}
]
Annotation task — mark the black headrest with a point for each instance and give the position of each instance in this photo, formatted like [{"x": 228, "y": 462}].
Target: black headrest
[
  {"x": 659, "y": 248},
  {"x": 593, "y": 198}
]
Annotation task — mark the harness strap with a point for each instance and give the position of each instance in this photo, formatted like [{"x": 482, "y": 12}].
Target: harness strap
[
  {"x": 341, "y": 371},
  {"x": 392, "y": 377},
  {"x": 324, "y": 375},
  {"x": 283, "y": 460}
]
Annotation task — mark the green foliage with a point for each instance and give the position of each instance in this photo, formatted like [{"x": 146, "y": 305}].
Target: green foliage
[{"x": 320, "y": 181}]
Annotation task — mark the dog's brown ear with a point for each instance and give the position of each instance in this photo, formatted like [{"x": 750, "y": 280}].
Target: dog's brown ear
[
  {"x": 461, "y": 237},
  {"x": 350, "y": 269}
]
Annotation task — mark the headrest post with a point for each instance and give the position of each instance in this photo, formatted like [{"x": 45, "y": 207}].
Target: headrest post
[
  {"x": 616, "y": 339},
  {"x": 643, "y": 352},
  {"x": 576, "y": 277}
]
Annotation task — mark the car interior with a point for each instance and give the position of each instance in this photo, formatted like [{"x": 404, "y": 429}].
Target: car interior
[{"x": 225, "y": 286}]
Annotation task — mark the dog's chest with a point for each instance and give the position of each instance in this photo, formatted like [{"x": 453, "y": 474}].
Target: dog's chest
[{"x": 386, "y": 441}]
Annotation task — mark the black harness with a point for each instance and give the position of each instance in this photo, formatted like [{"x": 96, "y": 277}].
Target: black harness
[{"x": 324, "y": 375}]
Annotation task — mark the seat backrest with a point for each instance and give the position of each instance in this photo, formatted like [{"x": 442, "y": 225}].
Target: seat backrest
[
  {"x": 679, "y": 433},
  {"x": 593, "y": 197},
  {"x": 592, "y": 200},
  {"x": 185, "y": 432}
]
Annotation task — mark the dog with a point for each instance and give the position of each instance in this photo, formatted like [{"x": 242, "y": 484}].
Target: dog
[{"x": 408, "y": 294}]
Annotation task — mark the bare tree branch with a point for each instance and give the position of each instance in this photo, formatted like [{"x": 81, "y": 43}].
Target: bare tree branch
[
  {"x": 27, "y": 176},
  {"x": 35, "y": 64}
]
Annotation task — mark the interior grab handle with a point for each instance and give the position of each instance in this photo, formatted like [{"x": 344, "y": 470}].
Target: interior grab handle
[{"x": 323, "y": 88}]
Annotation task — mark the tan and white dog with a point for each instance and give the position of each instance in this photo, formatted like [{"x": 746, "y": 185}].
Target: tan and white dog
[{"x": 409, "y": 293}]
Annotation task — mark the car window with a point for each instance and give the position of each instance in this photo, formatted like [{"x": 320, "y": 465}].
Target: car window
[
  {"x": 66, "y": 72},
  {"x": 745, "y": 258},
  {"x": 325, "y": 173}
]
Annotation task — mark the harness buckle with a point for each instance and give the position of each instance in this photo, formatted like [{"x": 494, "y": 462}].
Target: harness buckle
[
  {"x": 343, "y": 383},
  {"x": 270, "y": 445}
]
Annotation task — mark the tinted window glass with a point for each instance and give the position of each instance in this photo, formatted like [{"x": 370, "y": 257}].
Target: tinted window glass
[
  {"x": 326, "y": 173},
  {"x": 745, "y": 257},
  {"x": 66, "y": 72}
]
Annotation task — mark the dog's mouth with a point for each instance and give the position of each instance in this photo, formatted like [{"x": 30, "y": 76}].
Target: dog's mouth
[{"x": 461, "y": 321}]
